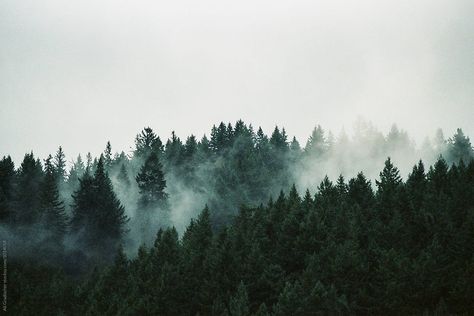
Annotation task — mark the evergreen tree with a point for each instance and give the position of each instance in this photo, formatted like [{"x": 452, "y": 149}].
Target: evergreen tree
[
  {"x": 89, "y": 161},
  {"x": 388, "y": 190},
  {"x": 7, "y": 179},
  {"x": 108, "y": 155},
  {"x": 60, "y": 166},
  {"x": 77, "y": 170},
  {"x": 316, "y": 145},
  {"x": 26, "y": 206},
  {"x": 204, "y": 150},
  {"x": 219, "y": 138},
  {"x": 360, "y": 192},
  {"x": 151, "y": 183},
  {"x": 190, "y": 148},
  {"x": 146, "y": 143},
  {"x": 460, "y": 148},
  {"x": 278, "y": 140},
  {"x": 196, "y": 242},
  {"x": 52, "y": 209},
  {"x": 98, "y": 217},
  {"x": 174, "y": 152}
]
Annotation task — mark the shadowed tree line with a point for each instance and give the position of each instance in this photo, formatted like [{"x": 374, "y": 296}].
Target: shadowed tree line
[{"x": 398, "y": 247}]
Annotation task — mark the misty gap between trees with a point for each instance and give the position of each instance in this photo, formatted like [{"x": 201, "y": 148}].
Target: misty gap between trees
[{"x": 244, "y": 223}]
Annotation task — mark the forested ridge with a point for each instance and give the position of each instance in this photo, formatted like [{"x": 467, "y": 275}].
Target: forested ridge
[{"x": 270, "y": 233}]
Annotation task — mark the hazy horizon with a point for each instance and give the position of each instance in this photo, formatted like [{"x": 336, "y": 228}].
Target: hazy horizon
[{"x": 78, "y": 74}]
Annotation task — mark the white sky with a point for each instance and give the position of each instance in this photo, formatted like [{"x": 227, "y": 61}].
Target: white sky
[{"x": 79, "y": 73}]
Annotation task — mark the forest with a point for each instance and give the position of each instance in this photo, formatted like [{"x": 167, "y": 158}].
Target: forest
[{"x": 241, "y": 222}]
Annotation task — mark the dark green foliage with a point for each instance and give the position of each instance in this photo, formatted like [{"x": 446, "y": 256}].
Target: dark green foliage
[
  {"x": 98, "y": 217},
  {"x": 51, "y": 207},
  {"x": 460, "y": 147},
  {"x": 239, "y": 303},
  {"x": 7, "y": 178},
  {"x": 26, "y": 201},
  {"x": 77, "y": 170},
  {"x": 351, "y": 248},
  {"x": 174, "y": 152},
  {"x": 108, "y": 155},
  {"x": 60, "y": 165},
  {"x": 147, "y": 142},
  {"x": 151, "y": 183}
]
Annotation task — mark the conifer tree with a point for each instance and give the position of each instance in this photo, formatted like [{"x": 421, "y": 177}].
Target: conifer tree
[
  {"x": 7, "y": 178},
  {"x": 77, "y": 170},
  {"x": 147, "y": 142},
  {"x": 279, "y": 140},
  {"x": 51, "y": 207},
  {"x": 98, "y": 217},
  {"x": 219, "y": 138},
  {"x": 388, "y": 189},
  {"x": 89, "y": 161},
  {"x": 460, "y": 148},
  {"x": 196, "y": 242},
  {"x": 60, "y": 166},
  {"x": 108, "y": 155},
  {"x": 204, "y": 149},
  {"x": 26, "y": 206},
  {"x": 174, "y": 151},
  {"x": 151, "y": 183},
  {"x": 190, "y": 148},
  {"x": 316, "y": 145}
]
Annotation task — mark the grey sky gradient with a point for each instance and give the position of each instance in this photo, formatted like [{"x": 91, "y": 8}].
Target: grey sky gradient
[{"x": 79, "y": 73}]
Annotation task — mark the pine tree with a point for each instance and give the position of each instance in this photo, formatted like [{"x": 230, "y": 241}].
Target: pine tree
[
  {"x": 316, "y": 145},
  {"x": 147, "y": 142},
  {"x": 219, "y": 138},
  {"x": 108, "y": 155},
  {"x": 151, "y": 183},
  {"x": 174, "y": 152},
  {"x": 98, "y": 217},
  {"x": 112, "y": 218},
  {"x": 460, "y": 148},
  {"x": 190, "y": 148},
  {"x": 60, "y": 166},
  {"x": 89, "y": 161},
  {"x": 52, "y": 210},
  {"x": 295, "y": 151},
  {"x": 416, "y": 186},
  {"x": 30, "y": 177},
  {"x": 278, "y": 140},
  {"x": 196, "y": 242},
  {"x": 7, "y": 179},
  {"x": 261, "y": 140},
  {"x": 388, "y": 190},
  {"x": 77, "y": 170},
  {"x": 438, "y": 176},
  {"x": 204, "y": 150},
  {"x": 165, "y": 282}
]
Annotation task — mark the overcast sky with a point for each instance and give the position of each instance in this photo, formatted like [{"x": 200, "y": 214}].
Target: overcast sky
[{"x": 79, "y": 73}]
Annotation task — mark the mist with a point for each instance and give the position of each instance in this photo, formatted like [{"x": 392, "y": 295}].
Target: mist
[
  {"x": 99, "y": 70},
  {"x": 237, "y": 158},
  {"x": 221, "y": 180}
]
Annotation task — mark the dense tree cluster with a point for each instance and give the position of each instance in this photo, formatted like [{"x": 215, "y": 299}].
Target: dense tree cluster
[{"x": 351, "y": 248}]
